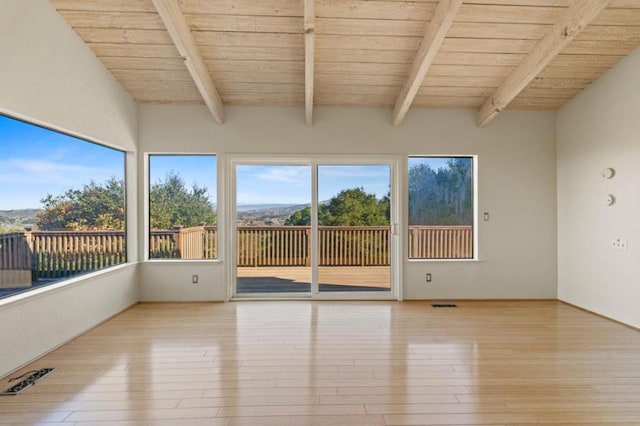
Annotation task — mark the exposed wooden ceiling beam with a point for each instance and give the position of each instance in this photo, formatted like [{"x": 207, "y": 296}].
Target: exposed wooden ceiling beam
[
  {"x": 309, "y": 55},
  {"x": 573, "y": 20},
  {"x": 436, "y": 32},
  {"x": 180, "y": 33}
]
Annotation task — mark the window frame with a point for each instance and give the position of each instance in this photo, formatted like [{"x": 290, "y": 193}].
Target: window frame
[
  {"x": 146, "y": 246},
  {"x": 474, "y": 231},
  {"x": 81, "y": 276}
]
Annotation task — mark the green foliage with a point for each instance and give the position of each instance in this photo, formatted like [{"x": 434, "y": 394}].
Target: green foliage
[
  {"x": 172, "y": 204},
  {"x": 351, "y": 207},
  {"x": 443, "y": 196},
  {"x": 8, "y": 229},
  {"x": 93, "y": 207},
  {"x": 300, "y": 218},
  {"x": 101, "y": 206},
  {"x": 354, "y": 207}
]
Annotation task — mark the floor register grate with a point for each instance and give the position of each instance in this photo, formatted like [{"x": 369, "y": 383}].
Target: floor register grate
[
  {"x": 444, "y": 305},
  {"x": 32, "y": 377}
]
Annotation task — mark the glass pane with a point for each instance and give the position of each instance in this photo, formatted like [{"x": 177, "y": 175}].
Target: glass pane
[
  {"x": 440, "y": 207},
  {"x": 62, "y": 207},
  {"x": 182, "y": 207},
  {"x": 273, "y": 229},
  {"x": 354, "y": 240}
]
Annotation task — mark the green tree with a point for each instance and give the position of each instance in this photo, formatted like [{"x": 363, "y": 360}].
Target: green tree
[
  {"x": 172, "y": 203},
  {"x": 351, "y": 207},
  {"x": 443, "y": 196},
  {"x": 300, "y": 218},
  {"x": 93, "y": 207},
  {"x": 101, "y": 206},
  {"x": 8, "y": 229}
]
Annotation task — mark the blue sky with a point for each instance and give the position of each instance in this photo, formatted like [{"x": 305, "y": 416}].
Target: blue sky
[
  {"x": 193, "y": 169},
  {"x": 35, "y": 162},
  {"x": 288, "y": 184}
]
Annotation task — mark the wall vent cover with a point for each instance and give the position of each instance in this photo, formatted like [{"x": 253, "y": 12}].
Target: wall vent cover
[
  {"x": 33, "y": 377},
  {"x": 444, "y": 305}
]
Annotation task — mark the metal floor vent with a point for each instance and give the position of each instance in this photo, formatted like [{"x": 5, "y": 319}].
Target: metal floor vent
[
  {"x": 32, "y": 378},
  {"x": 444, "y": 305}
]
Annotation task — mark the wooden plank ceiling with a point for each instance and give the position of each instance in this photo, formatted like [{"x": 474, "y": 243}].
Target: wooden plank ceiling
[{"x": 358, "y": 52}]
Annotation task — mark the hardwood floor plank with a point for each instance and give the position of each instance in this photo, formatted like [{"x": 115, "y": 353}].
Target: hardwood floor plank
[
  {"x": 9, "y": 407},
  {"x": 33, "y": 417},
  {"x": 436, "y": 408},
  {"x": 291, "y": 410},
  {"x": 436, "y": 398},
  {"x": 239, "y": 401},
  {"x": 403, "y": 391},
  {"x": 143, "y": 414},
  {"x": 457, "y": 419},
  {"x": 158, "y": 422},
  {"x": 349, "y": 420}
]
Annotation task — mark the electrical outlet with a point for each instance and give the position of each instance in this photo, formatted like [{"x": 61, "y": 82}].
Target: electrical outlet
[
  {"x": 619, "y": 244},
  {"x": 194, "y": 279},
  {"x": 428, "y": 277}
]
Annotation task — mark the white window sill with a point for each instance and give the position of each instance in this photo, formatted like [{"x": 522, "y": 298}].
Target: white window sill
[{"x": 62, "y": 284}]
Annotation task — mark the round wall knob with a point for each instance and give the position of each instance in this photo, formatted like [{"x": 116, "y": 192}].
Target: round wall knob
[
  {"x": 607, "y": 173},
  {"x": 609, "y": 199}
]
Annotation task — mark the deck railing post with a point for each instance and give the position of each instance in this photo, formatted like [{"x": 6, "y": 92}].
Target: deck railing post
[
  {"x": 177, "y": 237},
  {"x": 29, "y": 252},
  {"x": 307, "y": 248}
]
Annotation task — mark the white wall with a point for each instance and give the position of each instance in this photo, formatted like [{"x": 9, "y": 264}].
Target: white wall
[
  {"x": 170, "y": 281},
  {"x": 42, "y": 322},
  {"x": 49, "y": 77},
  {"x": 516, "y": 185},
  {"x": 601, "y": 128}
]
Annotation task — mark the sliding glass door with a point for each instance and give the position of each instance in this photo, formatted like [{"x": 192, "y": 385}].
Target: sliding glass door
[
  {"x": 354, "y": 231},
  {"x": 313, "y": 228},
  {"x": 273, "y": 252}
]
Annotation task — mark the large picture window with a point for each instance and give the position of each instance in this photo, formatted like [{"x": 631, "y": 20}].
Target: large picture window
[
  {"x": 441, "y": 208},
  {"x": 62, "y": 207},
  {"x": 182, "y": 207}
]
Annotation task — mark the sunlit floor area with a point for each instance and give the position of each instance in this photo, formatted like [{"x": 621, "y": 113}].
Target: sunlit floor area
[{"x": 291, "y": 363}]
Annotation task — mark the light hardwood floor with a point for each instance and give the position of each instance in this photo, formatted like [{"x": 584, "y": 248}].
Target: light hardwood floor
[{"x": 340, "y": 363}]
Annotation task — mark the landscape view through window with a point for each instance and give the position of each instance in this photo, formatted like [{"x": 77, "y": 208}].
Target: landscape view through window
[{"x": 62, "y": 207}]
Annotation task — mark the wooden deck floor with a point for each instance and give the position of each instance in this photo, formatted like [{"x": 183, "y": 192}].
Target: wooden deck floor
[
  {"x": 340, "y": 363},
  {"x": 297, "y": 278}
]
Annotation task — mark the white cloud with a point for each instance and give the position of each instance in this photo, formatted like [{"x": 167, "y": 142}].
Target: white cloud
[
  {"x": 355, "y": 171},
  {"x": 299, "y": 176},
  {"x": 27, "y": 170}
]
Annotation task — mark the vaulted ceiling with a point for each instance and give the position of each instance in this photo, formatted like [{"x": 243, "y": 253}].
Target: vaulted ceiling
[{"x": 478, "y": 54}]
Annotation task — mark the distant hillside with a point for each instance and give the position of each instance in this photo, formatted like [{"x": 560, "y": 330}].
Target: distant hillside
[
  {"x": 280, "y": 208},
  {"x": 18, "y": 219},
  {"x": 248, "y": 214},
  {"x": 266, "y": 214}
]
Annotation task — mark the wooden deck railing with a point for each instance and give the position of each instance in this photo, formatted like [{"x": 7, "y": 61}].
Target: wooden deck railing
[
  {"x": 198, "y": 242},
  {"x": 14, "y": 251},
  {"x": 353, "y": 245},
  {"x": 440, "y": 242},
  {"x": 55, "y": 254},
  {"x": 273, "y": 246}
]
